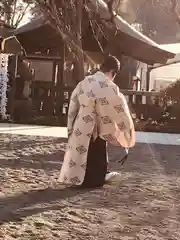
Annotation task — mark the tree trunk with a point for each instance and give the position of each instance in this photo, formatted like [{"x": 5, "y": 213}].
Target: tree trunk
[
  {"x": 79, "y": 52},
  {"x": 128, "y": 70}
]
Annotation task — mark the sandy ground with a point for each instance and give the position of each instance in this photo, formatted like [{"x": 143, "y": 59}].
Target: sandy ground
[{"x": 144, "y": 205}]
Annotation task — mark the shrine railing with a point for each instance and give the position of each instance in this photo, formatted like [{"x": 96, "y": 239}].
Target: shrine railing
[{"x": 143, "y": 105}]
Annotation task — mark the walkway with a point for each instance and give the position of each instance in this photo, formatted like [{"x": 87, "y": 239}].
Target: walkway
[{"x": 47, "y": 131}]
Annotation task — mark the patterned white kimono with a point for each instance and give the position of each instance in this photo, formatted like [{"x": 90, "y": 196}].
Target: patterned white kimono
[{"x": 97, "y": 108}]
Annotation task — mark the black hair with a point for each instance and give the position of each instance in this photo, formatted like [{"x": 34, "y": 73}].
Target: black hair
[{"x": 111, "y": 63}]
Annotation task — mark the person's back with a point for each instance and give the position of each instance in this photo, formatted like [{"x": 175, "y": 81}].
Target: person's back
[
  {"x": 94, "y": 85},
  {"x": 98, "y": 113}
]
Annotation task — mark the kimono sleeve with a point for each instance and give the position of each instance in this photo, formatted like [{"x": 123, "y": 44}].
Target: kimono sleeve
[
  {"x": 73, "y": 109},
  {"x": 124, "y": 122}
]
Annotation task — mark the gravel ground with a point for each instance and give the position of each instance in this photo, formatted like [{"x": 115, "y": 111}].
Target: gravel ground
[{"x": 144, "y": 205}]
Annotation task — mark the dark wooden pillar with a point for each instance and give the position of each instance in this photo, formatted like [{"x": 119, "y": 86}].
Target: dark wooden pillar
[
  {"x": 148, "y": 75},
  {"x": 60, "y": 84},
  {"x": 13, "y": 76}
]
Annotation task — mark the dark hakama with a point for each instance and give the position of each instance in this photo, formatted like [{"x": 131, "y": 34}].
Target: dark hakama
[{"x": 97, "y": 164}]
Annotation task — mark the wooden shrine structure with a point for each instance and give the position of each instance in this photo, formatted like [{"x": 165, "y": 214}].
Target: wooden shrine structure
[{"x": 47, "y": 54}]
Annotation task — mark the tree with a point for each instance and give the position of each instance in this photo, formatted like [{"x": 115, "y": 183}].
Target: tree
[
  {"x": 123, "y": 8},
  {"x": 12, "y": 12},
  {"x": 160, "y": 19},
  {"x": 66, "y": 18},
  {"x": 129, "y": 66},
  {"x": 175, "y": 10}
]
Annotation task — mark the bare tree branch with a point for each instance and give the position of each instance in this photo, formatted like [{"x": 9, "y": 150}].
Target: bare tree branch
[
  {"x": 21, "y": 16},
  {"x": 111, "y": 11},
  {"x": 14, "y": 12},
  {"x": 96, "y": 37},
  {"x": 174, "y": 11}
]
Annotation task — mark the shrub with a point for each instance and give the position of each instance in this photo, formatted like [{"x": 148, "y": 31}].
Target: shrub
[{"x": 170, "y": 98}]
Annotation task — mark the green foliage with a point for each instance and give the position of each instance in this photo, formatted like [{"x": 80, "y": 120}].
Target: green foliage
[
  {"x": 170, "y": 98},
  {"x": 172, "y": 92}
]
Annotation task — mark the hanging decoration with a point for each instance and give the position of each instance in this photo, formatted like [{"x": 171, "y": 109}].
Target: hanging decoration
[{"x": 3, "y": 85}]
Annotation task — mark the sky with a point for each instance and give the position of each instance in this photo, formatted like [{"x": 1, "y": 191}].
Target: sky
[{"x": 25, "y": 19}]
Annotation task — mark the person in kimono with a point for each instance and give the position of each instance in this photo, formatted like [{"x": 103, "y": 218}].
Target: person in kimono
[{"x": 98, "y": 114}]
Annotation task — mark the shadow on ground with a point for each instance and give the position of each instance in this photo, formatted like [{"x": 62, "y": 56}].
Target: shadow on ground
[{"x": 146, "y": 198}]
